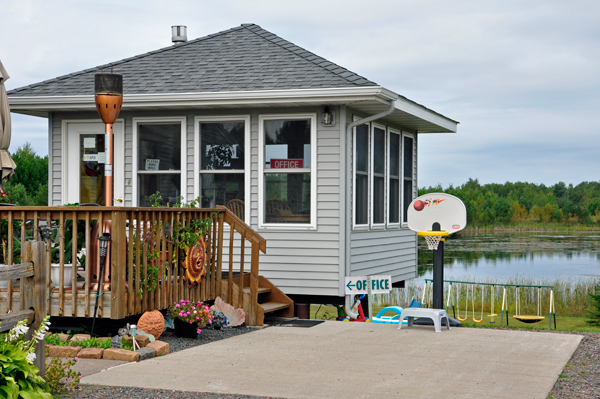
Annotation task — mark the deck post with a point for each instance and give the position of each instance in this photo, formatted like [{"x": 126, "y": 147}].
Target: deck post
[
  {"x": 118, "y": 265},
  {"x": 40, "y": 295}
]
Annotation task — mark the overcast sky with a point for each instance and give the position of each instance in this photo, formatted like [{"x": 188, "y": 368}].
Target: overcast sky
[{"x": 521, "y": 77}]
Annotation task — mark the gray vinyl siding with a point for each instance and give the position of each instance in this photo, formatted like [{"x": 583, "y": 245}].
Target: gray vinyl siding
[
  {"x": 381, "y": 251},
  {"x": 297, "y": 261}
]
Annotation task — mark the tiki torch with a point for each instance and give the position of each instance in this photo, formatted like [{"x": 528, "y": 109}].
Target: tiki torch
[{"x": 109, "y": 97}]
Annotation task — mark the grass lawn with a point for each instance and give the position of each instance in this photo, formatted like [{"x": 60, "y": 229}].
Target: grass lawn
[{"x": 563, "y": 323}]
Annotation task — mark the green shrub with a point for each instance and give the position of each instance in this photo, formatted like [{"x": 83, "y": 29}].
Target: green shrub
[{"x": 594, "y": 313}]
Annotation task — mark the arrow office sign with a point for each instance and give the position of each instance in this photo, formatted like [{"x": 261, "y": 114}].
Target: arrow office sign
[{"x": 360, "y": 284}]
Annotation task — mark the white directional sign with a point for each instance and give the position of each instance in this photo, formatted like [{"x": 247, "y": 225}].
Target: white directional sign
[{"x": 360, "y": 284}]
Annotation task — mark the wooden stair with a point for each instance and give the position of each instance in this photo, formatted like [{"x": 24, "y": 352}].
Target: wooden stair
[{"x": 271, "y": 300}]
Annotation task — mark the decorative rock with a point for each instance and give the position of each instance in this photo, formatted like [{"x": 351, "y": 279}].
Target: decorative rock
[
  {"x": 64, "y": 337},
  {"x": 152, "y": 323},
  {"x": 142, "y": 340},
  {"x": 115, "y": 342},
  {"x": 121, "y": 354},
  {"x": 142, "y": 332},
  {"x": 63, "y": 351},
  {"x": 235, "y": 317},
  {"x": 146, "y": 353},
  {"x": 80, "y": 337},
  {"x": 161, "y": 348},
  {"x": 91, "y": 353},
  {"x": 218, "y": 321}
]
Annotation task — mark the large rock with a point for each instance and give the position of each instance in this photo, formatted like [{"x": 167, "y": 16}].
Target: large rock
[
  {"x": 142, "y": 340},
  {"x": 80, "y": 337},
  {"x": 91, "y": 353},
  {"x": 161, "y": 348},
  {"x": 121, "y": 354},
  {"x": 146, "y": 353},
  {"x": 63, "y": 351},
  {"x": 64, "y": 337}
]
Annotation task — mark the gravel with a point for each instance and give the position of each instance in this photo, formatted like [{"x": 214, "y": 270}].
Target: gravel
[{"x": 580, "y": 377}]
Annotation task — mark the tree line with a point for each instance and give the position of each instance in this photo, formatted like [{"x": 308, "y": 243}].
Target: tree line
[
  {"x": 516, "y": 204},
  {"x": 29, "y": 185}
]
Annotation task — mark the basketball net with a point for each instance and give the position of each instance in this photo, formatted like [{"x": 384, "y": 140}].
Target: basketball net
[
  {"x": 433, "y": 238},
  {"x": 433, "y": 241}
]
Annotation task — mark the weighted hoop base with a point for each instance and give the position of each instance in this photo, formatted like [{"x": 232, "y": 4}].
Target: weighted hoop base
[{"x": 433, "y": 238}]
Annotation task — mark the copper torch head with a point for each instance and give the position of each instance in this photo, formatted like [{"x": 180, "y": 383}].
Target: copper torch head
[{"x": 109, "y": 96}]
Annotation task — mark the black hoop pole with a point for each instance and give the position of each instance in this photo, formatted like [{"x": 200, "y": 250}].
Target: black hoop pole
[{"x": 438, "y": 272}]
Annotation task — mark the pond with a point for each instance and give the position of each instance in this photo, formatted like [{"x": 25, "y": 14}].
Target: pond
[{"x": 500, "y": 256}]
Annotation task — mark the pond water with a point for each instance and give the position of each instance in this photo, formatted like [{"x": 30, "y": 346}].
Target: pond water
[{"x": 500, "y": 256}]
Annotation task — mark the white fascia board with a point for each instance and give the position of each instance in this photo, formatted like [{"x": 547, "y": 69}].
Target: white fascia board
[
  {"x": 237, "y": 98},
  {"x": 410, "y": 107}
]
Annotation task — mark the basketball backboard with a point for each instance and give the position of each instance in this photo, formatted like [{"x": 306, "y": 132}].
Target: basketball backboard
[{"x": 445, "y": 209}]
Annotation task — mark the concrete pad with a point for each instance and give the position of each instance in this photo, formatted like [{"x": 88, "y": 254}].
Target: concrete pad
[{"x": 334, "y": 360}]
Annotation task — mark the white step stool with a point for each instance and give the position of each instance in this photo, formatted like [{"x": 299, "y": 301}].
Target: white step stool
[{"x": 434, "y": 314}]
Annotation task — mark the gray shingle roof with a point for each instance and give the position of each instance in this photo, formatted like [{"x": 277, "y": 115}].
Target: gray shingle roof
[{"x": 244, "y": 58}]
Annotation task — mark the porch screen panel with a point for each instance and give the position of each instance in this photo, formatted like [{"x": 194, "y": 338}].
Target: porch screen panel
[
  {"x": 361, "y": 199},
  {"x": 394, "y": 178},
  {"x": 378, "y": 175},
  {"x": 408, "y": 173}
]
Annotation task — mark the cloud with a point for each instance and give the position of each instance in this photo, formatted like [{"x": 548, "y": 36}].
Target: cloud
[{"x": 521, "y": 77}]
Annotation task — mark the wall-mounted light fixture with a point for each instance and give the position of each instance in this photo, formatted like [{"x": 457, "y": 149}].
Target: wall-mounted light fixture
[{"x": 328, "y": 117}]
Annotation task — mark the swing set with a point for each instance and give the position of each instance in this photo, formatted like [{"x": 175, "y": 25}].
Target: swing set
[{"x": 453, "y": 301}]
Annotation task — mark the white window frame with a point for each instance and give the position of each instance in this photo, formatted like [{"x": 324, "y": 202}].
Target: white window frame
[
  {"x": 412, "y": 178},
  {"x": 391, "y": 131},
  {"x": 372, "y": 177},
  {"x": 136, "y": 171},
  {"x": 247, "y": 156},
  {"x": 356, "y": 226},
  {"x": 312, "y": 170}
]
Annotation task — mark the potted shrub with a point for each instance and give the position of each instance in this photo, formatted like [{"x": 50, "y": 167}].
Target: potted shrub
[{"x": 190, "y": 317}]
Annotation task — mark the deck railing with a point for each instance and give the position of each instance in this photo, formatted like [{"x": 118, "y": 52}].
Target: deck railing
[
  {"x": 145, "y": 272},
  {"x": 32, "y": 304}
]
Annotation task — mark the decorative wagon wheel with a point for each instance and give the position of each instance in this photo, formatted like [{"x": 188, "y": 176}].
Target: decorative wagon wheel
[{"x": 195, "y": 262}]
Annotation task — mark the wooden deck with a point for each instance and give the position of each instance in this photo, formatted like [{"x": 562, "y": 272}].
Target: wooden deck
[{"x": 135, "y": 233}]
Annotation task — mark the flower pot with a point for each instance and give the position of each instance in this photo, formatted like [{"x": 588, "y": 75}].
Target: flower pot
[
  {"x": 185, "y": 330},
  {"x": 55, "y": 275}
]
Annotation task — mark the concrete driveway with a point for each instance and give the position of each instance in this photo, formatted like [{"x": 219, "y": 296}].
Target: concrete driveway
[{"x": 360, "y": 360}]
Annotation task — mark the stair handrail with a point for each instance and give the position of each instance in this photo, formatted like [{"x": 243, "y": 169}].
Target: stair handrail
[{"x": 258, "y": 243}]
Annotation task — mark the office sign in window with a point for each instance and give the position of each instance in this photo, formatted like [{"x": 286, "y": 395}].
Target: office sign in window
[{"x": 287, "y": 163}]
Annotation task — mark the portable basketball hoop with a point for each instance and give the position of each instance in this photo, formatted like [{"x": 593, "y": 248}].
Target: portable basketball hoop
[
  {"x": 435, "y": 216},
  {"x": 433, "y": 238}
]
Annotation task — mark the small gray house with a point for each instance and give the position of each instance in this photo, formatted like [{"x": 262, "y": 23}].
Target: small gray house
[{"x": 320, "y": 161}]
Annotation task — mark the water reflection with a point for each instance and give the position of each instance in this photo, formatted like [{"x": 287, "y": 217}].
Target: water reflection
[{"x": 506, "y": 255}]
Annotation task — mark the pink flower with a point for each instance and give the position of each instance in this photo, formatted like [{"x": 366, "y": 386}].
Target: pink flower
[
  {"x": 177, "y": 305},
  {"x": 79, "y": 377},
  {"x": 210, "y": 321},
  {"x": 199, "y": 331},
  {"x": 68, "y": 388},
  {"x": 193, "y": 308},
  {"x": 197, "y": 318},
  {"x": 76, "y": 359},
  {"x": 191, "y": 322}
]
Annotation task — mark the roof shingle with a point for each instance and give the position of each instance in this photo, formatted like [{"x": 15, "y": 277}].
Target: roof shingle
[{"x": 245, "y": 58}]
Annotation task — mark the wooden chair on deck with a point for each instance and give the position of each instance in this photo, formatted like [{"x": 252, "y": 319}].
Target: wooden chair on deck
[
  {"x": 278, "y": 207},
  {"x": 237, "y": 207}
]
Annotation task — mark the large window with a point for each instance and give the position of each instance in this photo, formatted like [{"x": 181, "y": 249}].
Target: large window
[
  {"x": 383, "y": 172},
  {"x": 361, "y": 175},
  {"x": 408, "y": 174},
  {"x": 222, "y": 163},
  {"x": 394, "y": 177},
  {"x": 159, "y": 162},
  {"x": 378, "y": 161},
  {"x": 287, "y": 161}
]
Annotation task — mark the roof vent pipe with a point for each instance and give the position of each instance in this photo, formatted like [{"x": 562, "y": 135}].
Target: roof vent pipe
[{"x": 179, "y": 34}]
